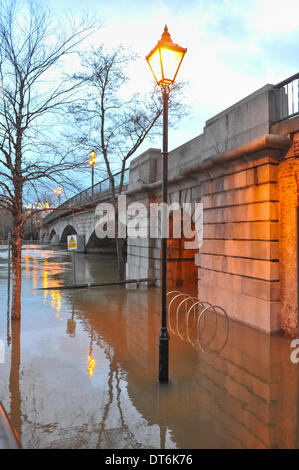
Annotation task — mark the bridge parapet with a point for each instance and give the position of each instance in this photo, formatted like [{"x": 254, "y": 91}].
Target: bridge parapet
[
  {"x": 99, "y": 189},
  {"x": 246, "y": 120},
  {"x": 287, "y": 98},
  {"x": 90, "y": 195}
]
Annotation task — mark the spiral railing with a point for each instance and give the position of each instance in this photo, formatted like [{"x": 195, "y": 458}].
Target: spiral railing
[{"x": 187, "y": 318}]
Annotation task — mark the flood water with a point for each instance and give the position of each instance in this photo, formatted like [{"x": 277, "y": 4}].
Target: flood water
[{"x": 80, "y": 370}]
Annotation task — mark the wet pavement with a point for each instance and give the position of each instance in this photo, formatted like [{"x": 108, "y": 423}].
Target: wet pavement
[{"x": 80, "y": 369}]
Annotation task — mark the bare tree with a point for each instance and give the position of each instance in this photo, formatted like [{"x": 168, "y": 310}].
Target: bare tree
[
  {"x": 115, "y": 127},
  {"x": 33, "y": 97}
]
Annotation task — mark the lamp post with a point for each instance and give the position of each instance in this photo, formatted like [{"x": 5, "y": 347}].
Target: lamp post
[
  {"x": 58, "y": 192},
  {"x": 92, "y": 161},
  {"x": 164, "y": 60}
]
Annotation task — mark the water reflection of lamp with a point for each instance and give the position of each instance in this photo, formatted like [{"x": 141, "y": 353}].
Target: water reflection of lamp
[
  {"x": 91, "y": 360},
  {"x": 71, "y": 326},
  {"x": 91, "y": 364}
]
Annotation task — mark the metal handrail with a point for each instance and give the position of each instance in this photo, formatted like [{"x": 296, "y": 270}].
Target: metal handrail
[
  {"x": 100, "y": 188},
  {"x": 287, "y": 80},
  {"x": 287, "y": 98}
]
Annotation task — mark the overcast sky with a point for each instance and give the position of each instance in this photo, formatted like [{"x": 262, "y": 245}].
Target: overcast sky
[{"x": 234, "y": 46}]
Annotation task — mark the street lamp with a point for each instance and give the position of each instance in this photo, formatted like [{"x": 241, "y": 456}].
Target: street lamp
[
  {"x": 31, "y": 222},
  {"x": 58, "y": 192},
  {"x": 92, "y": 161},
  {"x": 165, "y": 60}
]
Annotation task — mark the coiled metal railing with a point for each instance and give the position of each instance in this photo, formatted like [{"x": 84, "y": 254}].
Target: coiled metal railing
[{"x": 191, "y": 320}]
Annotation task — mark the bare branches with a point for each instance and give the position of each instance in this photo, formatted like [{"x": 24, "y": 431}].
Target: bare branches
[
  {"x": 34, "y": 92},
  {"x": 115, "y": 127},
  {"x": 33, "y": 89}
]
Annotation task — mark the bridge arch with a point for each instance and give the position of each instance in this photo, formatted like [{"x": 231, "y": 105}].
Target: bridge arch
[
  {"x": 96, "y": 244},
  {"x": 52, "y": 233},
  {"x": 68, "y": 230}
]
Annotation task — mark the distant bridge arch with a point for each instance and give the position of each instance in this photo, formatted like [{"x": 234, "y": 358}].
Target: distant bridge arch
[
  {"x": 95, "y": 243},
  {"x": 52, "y": 233},
  {"x": 68, "y": 230}
]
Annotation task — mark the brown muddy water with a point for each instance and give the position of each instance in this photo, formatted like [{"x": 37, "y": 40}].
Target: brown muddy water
[{"x": 81, "y": 369}]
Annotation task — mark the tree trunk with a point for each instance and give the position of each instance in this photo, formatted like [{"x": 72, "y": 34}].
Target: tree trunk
[
  {"x": 120, "y": 243},
  {"x": 14, "y": 377},
  {"x": 121, "y": 268},
  {"x": 17, "y": 238}
]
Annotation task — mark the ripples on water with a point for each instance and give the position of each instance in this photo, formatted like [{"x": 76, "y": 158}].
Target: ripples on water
[{"x": 81, "y": 372}]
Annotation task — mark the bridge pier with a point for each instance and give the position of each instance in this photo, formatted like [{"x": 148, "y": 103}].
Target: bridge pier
[
  {"x": 55, "y": 240},
  {"x": 81, "y": 248}
]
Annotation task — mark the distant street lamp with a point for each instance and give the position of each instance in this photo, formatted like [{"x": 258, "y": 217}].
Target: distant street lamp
[
  {"x": 58, "y": 192},
  {"x": 165, "y": 60},
  {"x": 92, "y": 161},
  {"x": 31, "y": 222}
]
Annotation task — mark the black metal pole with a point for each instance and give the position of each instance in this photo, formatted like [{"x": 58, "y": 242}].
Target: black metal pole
[
  {"x": 164, "y": 336},
  {"x": 92, "y": 179}
]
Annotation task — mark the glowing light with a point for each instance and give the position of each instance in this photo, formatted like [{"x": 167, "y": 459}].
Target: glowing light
[
  {"x": 91, "y": 365},
  {"x": 165, "y": 59},
  {"x": 92, "y": 155},
  {"x": 57, "y": 191},
  {"x": 45, "y": 278},
  {"x": 34, "y": 274},
  {"x": 27, "y": 268},
  {"x": 56, "y": 300}
]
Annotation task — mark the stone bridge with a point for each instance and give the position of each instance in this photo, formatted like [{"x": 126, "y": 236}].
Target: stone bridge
[{"x": 244, "y": 169}]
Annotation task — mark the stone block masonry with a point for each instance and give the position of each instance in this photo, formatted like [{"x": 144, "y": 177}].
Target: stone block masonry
[{"x": 238, "y": 263}]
